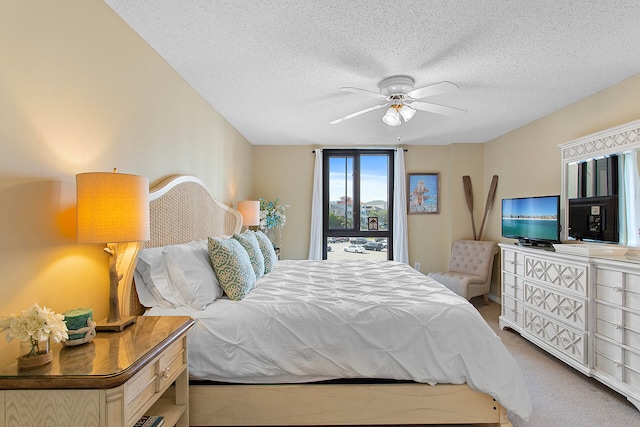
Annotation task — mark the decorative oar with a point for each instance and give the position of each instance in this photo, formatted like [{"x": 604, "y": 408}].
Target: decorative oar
[
  {"x": 468, "y": 193},
  {"x": 490, "y": 197}
]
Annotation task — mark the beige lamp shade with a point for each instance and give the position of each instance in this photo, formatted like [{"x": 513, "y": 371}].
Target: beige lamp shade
[
  {"x": 112, "y": 207},
  {"x": 250, "y": 211}
]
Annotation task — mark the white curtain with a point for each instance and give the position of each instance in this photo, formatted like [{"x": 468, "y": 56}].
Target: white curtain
[
  {"x": 630, "y": 189},
  {"x": 315, "y": 240},
  {"x": 400, "y": 240}
]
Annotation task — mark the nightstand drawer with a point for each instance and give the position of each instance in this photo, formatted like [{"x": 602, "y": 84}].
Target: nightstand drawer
[
  {"x": 171, "y": 364},
  {"x": 152, "y": 380}
]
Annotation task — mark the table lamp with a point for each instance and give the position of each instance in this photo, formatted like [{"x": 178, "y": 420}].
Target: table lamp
[
  {"x": 250, "y": 211},
  {"x": 113, "y": 208}
]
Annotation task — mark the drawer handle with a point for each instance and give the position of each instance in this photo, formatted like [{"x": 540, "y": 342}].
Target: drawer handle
[
  {"x": 617, "y": 364},
  {"x": 511, "y": 262},
  {"x": 538, "y": 270},
  {"x": 617, "y": 326},
  {"x": 617, "y": 289},
  {"x": 566, "y": 308},
  {"x": 166, "y": 372},
  {"x": 567, "y": 277}
]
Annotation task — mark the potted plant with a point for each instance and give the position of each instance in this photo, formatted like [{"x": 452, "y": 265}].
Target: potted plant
[{"x": 35, "y": 327}]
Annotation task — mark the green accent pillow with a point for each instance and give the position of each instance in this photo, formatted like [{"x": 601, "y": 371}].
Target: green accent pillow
[
  {"x": 250, "y": 243},
  {"x": 232, "y": 266},
  {"x": 270, "y": 257}
]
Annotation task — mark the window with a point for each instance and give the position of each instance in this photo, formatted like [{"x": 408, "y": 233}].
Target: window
[{"x": 358, "y": 204}]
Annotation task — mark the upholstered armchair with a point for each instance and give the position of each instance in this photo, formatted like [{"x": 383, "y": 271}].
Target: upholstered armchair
[{"x": 470, "y": 268}]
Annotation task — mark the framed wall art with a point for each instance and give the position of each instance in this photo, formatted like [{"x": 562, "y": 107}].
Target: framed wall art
[{"x": 423, "y": 193}]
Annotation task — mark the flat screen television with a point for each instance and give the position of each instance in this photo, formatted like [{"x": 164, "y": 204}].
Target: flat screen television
[
  {"x": 594, "y": 218},
  {"x": 534, "y": 221}
]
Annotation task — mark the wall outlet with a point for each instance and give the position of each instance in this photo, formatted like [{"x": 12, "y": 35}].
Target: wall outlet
[{"x": 416, "y": 266}]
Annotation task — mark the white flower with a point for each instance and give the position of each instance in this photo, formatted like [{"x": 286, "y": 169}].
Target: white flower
[
  {"x": 272, "y": 214},
  {"x": 35, "y": 324}
]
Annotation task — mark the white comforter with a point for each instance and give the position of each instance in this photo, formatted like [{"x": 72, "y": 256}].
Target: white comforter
[{"x": 318, "y": 320}]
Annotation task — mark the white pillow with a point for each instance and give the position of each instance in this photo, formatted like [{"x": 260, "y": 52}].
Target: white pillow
[
  {"x": 153, "y": 289},
  {"x": 191, "y": 275},
  {"x": 176, "y": 275}
]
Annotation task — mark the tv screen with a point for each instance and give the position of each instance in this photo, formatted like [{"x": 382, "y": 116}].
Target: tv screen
[
  {"x": 594, "y": 218},
  {"x": 532, "y": 220}
]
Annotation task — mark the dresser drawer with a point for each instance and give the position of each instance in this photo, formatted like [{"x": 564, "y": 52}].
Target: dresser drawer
[
  {"x": 632, "y": 291},
  {"x": 618, "y": 287},
  {"x": 569, "y": 309},
  {"x": 620, "y": 325},
  {"x": 152, "y": 380},
  {"x": 618, "y": 363},
  {"x": 565, "y": 339},
  {"x": 609, "y": 322},
  {"x": 512, "y": 286},
  {"x": 572, "y": 278},
  {"x": 632, "y": 369},
  {"x": 631, "y": 323},
  {"x": 512, "y": 262},
  {"x": 512, "y": 310},
  {"x": 609, "y": 285},
  {"x": 609, "y": 358}
]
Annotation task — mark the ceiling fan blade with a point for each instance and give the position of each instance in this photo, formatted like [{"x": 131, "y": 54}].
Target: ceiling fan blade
[
  {"x": 364, "y": 92},
  {"x": 434, "y": 89},
  {"x": 357, "y": 113},
  {"x": 438, "y": 109}
]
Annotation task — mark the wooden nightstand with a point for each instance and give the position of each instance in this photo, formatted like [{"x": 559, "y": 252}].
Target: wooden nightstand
[{"x": 109, "y": 382}]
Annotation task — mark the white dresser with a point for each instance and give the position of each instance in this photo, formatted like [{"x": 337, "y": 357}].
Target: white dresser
[{"x": 584, "y": 310}]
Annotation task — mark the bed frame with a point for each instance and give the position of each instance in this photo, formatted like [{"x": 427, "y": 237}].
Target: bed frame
[{"x": 182, "y": 209}]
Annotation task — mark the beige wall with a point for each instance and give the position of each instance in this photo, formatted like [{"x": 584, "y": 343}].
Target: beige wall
[
  {"x": 287, "y": 172},
  {"x": 80, "y": 91}
]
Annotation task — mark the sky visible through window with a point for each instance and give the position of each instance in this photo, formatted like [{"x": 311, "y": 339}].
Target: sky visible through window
[{"x": 373, "y": 178}]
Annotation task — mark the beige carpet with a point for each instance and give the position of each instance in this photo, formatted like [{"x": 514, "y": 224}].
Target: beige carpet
[{"x": 561, "y": 396}]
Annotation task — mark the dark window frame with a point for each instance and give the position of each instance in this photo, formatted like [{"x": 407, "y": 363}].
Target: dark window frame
[{"x": 356, "y": 231}]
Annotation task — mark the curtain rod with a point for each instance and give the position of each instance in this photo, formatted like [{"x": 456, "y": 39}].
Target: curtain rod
[{"x": 394, "y": 149}]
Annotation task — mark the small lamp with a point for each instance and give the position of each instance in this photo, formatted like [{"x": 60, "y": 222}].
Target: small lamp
[
  {"x": 250, "y": 211},
  {"x": 112, "y": 208}
]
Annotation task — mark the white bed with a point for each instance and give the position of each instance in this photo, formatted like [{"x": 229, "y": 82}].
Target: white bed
[{"x": 378, "y": 321}]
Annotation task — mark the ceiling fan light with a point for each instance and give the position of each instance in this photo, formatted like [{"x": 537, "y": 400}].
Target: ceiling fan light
[
  {"x": 391, "y": 117},
  {"x": 407, "y": 113}
]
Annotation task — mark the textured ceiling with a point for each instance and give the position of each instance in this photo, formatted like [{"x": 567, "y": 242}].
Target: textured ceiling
[{"x": 273, "y": 68}]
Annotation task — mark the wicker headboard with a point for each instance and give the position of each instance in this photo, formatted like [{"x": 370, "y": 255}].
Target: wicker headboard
[{"x": 181, "y": 210}]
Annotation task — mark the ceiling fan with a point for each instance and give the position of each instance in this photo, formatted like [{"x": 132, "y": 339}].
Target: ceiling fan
[{"x": 403, "y": 100}]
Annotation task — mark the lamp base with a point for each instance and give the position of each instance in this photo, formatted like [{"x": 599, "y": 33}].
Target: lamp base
[{"x": 116, "y": 326}]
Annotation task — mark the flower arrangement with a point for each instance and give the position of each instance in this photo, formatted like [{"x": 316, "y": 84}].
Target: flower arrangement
[
  {"x": 35, "y": 324},
  {"x": 272, "y": 214}
]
